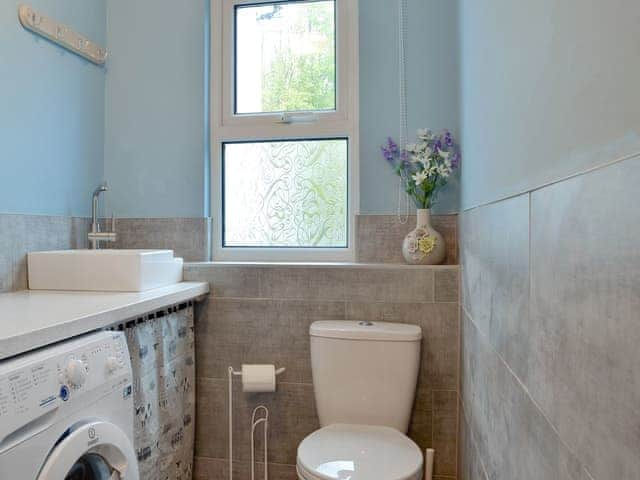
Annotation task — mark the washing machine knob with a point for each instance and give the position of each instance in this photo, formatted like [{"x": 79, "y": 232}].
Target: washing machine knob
[
  {"x": 76, "y": 372},
  {"x": 112, "y": 364}
]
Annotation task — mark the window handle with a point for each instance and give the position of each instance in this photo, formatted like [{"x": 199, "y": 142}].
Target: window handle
[{"x": 289, "y": 118}]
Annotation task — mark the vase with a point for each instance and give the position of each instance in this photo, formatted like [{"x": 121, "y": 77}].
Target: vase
[{"x": 424, "y": 245}]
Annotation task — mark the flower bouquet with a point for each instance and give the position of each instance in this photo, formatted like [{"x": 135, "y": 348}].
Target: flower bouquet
[{"x": 424, "y": 168}]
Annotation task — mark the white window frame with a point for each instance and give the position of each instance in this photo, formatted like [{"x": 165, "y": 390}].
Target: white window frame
[{"x": 226, "y": 126}]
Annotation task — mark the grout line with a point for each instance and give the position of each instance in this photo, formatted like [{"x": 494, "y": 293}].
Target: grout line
[
  {"x": 553, "y": 182},
  {"x": 527, "y": 393}
]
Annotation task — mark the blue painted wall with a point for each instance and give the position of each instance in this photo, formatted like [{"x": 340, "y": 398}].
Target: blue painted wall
[
  {"x": 549, "y": 89},
  {"x": 432, "y": 89},
  {"x": 155, "y": 149},
  {"x": 155, "y": 108},
  {"x": 51, "y": 113}
]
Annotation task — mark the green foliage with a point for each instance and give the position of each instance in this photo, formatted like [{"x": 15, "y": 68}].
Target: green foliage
[{"x": 304, "y": 81}]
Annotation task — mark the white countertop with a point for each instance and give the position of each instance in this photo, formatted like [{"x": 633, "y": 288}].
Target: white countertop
[{"x": 31, "y": 319}]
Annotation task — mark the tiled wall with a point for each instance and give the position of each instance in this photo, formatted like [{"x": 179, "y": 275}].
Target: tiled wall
[
  {"x": 20, "y": 234},
  {"x": 550, "y": 383},
  {"x": 379, "y": 237},
  {"x": 262, "y": 313},
  {"x": 189, "y": 238}
]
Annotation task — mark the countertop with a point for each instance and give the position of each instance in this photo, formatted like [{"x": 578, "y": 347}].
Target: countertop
[{"x": 31, "y": 319}]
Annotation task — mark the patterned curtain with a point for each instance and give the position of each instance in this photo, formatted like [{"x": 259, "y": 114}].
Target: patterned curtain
[{"x": 163, "y": 360}]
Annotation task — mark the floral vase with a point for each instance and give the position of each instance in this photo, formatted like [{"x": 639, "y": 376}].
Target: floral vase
[{"x": 424, "y": 246}]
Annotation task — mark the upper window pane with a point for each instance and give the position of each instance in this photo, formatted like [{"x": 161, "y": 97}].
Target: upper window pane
[
  {"x": 285, "y": 193},
  {"x": 285, "y": 57}
]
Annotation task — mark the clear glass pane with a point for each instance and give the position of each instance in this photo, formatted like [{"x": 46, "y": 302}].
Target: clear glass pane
[
  {"x": 285, "y": 57},
  {"x": 286, "y": 194}
]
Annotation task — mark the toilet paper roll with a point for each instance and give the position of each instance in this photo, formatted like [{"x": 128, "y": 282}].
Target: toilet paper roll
[{"x": 258, "y": 378}]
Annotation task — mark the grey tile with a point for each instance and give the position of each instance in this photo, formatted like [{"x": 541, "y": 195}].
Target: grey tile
[
  {"x": 495, "y": 275},
  {"x": 21, "y": 234},
  {"x": 585, "y": 304},
  {"x": 445, "y": 432},
  {"x": 236, "y": 331},
  {"x": 292, "y": 416},
  {"x": 421, "y": 425},
  {"x": 440, "y": 340},
  {"x": 302, "y": 283},
  {"x": 380, "y": 237},
  {"x": 369, "y": 284},
  {"x": 446, "y": 284},
  {"x": 226, "y": 281},
  {"x": 189, "y": 238},
  {"x": 217, "y": 469},
  {"x": 469, "y": 462},
  {"x": 512, "y": 435}
]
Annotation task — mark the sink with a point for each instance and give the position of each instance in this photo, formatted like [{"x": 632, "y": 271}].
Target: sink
[{"x": 103, "y": 270}]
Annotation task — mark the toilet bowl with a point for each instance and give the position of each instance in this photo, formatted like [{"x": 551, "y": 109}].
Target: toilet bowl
[
  {"x": 364, "y": 377},
  {"x": 358, "y": 452}
]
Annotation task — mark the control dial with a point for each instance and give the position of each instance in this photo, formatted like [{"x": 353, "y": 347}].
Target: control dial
[
  {"x": 76, "y": 372},
  {"x": 112, "y": 364}
]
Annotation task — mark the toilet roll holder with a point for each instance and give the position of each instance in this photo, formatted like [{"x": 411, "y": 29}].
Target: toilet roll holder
[{"x": 255, "y": 422}]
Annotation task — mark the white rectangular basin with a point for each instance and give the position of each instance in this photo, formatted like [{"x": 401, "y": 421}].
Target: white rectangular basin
[{"x": 103, "y": 270}]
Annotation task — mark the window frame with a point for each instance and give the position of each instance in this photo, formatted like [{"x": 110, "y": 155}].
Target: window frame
[{"x": 229, "y": 127}]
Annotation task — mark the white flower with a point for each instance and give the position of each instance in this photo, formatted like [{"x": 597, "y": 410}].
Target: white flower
[
  {"x": 424, "y": 133},
  {"x": 443, "y": 154},
  {"x": 412, "y": 148},
  {"x": 419, "y": 177},
  {"x": 444, "y": 171}
]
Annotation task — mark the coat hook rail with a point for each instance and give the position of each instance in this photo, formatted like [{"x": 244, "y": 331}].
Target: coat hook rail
[{"x": 61, "y": 34}]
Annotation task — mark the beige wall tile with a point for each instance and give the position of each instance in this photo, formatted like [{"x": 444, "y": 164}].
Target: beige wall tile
[
  {"x": 236, "y": 331},
  {"x": 302, "y": 283},
  {"x": 380, "y": 237},
  {"x": 21, "y": 234},
  {"x": 420, "y": 428},
  {"x": 217, "y": 469},
  {"x": 446, "y": 284},
  {"x": 189, "y": 238},
  {"x": 440, "y": 325},
  {"x": 226, "y": 281},
  {"x": 292, "y": 416},
  {"x": 445, "y": 432},
  {"x": 389, "y": 284}
]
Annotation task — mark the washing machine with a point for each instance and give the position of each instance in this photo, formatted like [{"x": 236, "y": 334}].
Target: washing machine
[{"x": 66, "y": 412}]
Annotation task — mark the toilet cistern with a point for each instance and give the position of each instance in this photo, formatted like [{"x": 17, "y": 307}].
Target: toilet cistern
[{"x": 95, "y": 236}]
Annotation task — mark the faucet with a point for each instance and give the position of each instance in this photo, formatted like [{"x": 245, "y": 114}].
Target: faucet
[{"x": 95, "y": 236}]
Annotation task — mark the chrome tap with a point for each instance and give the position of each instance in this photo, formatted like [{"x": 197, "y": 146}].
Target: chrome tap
[{"x": 95, "y": 236}]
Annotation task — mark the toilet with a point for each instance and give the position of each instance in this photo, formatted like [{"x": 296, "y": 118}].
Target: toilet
[{"x": 364, "y": 379}]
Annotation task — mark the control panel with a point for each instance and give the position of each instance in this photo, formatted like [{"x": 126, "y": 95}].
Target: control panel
[{"x": 78, "y": 371}]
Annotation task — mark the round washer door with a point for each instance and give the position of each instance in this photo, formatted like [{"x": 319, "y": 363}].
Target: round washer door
[{"x": 92, "y": 451}]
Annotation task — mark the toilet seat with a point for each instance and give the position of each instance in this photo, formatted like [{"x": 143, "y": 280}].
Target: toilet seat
[{"x": 358, "y": 452}]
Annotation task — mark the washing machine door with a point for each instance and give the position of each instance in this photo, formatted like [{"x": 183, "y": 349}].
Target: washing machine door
[{"x": 92, "y": 451}]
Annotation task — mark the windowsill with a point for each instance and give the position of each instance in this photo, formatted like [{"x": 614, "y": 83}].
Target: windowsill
[{"x": 391, "y": 266}]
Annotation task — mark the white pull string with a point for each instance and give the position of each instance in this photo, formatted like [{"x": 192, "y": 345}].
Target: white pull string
[{"x": 404, "y": 130}]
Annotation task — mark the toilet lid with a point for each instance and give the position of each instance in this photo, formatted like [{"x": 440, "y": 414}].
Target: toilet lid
[{"x": 359, "y": 452}]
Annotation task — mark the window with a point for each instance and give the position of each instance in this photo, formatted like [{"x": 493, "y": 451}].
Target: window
[{"x": 284, "y": 129}]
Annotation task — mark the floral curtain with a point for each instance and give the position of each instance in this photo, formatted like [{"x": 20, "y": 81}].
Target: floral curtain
[{"x": 161, "y": 346}]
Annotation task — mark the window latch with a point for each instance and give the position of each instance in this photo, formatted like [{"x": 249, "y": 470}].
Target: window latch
[{"x": 289, "y": 118}]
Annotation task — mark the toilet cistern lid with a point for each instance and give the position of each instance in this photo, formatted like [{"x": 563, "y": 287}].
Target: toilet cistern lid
[
  {"x": 366, "y": 330},
  {"x": 359, "y": 452}
]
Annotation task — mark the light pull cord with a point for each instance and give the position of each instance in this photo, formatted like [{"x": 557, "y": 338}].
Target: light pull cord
[{"x": 403, "y": 218}]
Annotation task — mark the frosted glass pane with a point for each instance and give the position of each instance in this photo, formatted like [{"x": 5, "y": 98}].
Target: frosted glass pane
[
  {"x": 286, "y": 194},
  {"x": 285, "y": 57}
]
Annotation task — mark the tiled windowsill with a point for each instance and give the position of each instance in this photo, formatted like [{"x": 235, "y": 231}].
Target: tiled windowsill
[{"x": 354, "y": 265}]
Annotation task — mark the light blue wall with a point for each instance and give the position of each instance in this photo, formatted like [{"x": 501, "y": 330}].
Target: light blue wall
[
  {"x": 432, "y": 83},
  {"x": 154, "y": 155},
  {"x": 51, "y": 113},
  {"x": 548, "y": 89},
  {"x": 155, "y": 107}
]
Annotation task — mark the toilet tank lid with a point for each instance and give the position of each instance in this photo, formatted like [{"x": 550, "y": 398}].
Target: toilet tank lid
[{"x": 380, "y": 331}]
